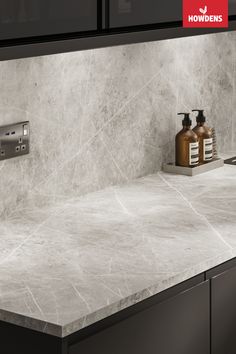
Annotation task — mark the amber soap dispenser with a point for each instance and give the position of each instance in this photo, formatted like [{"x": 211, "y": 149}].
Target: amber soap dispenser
[
  {"x": 187, "y": 144},
  {"x": 205, "y": 136}
]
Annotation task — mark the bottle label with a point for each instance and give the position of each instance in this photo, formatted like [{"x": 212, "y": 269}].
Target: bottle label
[
  {"x": 208, "y": 149},
  {"x": 193, "y": 154}
]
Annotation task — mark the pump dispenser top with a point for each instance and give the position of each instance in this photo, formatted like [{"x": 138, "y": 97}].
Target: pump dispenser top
[
  {"x": 200, "y": 117},
  {"x": 186, "y": 121},
  {"x": 205, "y": 137},
  {"x": 187, "y": 146}
]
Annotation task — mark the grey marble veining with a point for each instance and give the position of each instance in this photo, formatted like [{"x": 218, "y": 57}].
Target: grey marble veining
[
  {"x": 106, "y": 116},
  {"x": 65, "y": 267}
]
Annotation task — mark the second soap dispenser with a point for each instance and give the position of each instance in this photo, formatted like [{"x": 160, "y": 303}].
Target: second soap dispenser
[
  {"x": 187, "y": 145},
  {"x": 205, "y": 136}
]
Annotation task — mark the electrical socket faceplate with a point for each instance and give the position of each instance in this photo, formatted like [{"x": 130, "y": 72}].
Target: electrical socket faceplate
[{"x": 14, "y": 140}]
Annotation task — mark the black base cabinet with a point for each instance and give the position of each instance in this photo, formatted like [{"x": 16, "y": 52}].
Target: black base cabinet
[
  {"x": 178, "y": 325},
  {"x": 18, "y": 340},
  {"x": 223, "y": 311},
  {"x": 197, "y": 316}
]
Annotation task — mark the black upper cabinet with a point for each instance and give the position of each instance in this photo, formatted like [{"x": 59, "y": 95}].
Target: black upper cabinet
[
  {"x": 33, "y": 18},
  {"x": 40, "y": 27},
  {"x": 126, "y": 13},
  {"x": 232, "y": 7}
]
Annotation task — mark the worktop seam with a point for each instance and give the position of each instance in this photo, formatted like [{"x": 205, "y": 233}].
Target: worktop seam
[{"x": 217, "y": 233}]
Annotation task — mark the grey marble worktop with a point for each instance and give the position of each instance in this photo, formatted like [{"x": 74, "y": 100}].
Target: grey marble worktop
[{"x": 65, "y": 267}]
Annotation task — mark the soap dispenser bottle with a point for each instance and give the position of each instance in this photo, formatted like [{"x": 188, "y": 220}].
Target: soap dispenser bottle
[
  {"x": 205, "y": 136},
  {"x": 187, "y": 144}
]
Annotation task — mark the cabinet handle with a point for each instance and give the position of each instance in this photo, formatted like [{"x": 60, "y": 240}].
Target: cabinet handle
[{"x": 105, "y": 14}]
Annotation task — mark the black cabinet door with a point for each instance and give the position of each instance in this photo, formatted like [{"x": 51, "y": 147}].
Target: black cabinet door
[
  {"x": 232, "y": 7},
  {"x": 125, "y": 13},
  {"x": 30, "y": 18},
  {"x": 224, "y": 313},
  {"x": 179, "y": 325}
]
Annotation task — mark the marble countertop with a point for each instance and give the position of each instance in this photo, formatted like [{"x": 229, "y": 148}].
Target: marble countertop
[{"x": 65, "y": 267}]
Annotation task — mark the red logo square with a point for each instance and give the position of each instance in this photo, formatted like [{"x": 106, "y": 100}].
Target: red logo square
[{"x": 205, "y": 13}]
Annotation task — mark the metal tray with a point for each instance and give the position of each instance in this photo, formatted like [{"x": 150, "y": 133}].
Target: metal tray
[{"x": 193, "y": 171}]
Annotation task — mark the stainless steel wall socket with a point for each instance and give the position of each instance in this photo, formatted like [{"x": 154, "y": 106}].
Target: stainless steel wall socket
[{"x": 14, "y": 140}]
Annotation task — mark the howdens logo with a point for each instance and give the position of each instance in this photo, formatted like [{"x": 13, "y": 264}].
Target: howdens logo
[{"x": 205, "y": 13}]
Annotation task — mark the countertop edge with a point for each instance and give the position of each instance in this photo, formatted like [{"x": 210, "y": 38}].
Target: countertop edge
[
  {"x": 65, "y": 330},
  {"x": 144, "y": 294},
  {"x": 31, "y": 323}
]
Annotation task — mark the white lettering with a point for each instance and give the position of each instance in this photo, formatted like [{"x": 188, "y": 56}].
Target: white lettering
[{"x": 205, "y": 18}]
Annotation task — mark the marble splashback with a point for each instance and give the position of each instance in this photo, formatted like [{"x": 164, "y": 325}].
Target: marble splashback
[{"x": 106, "y": 116}]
